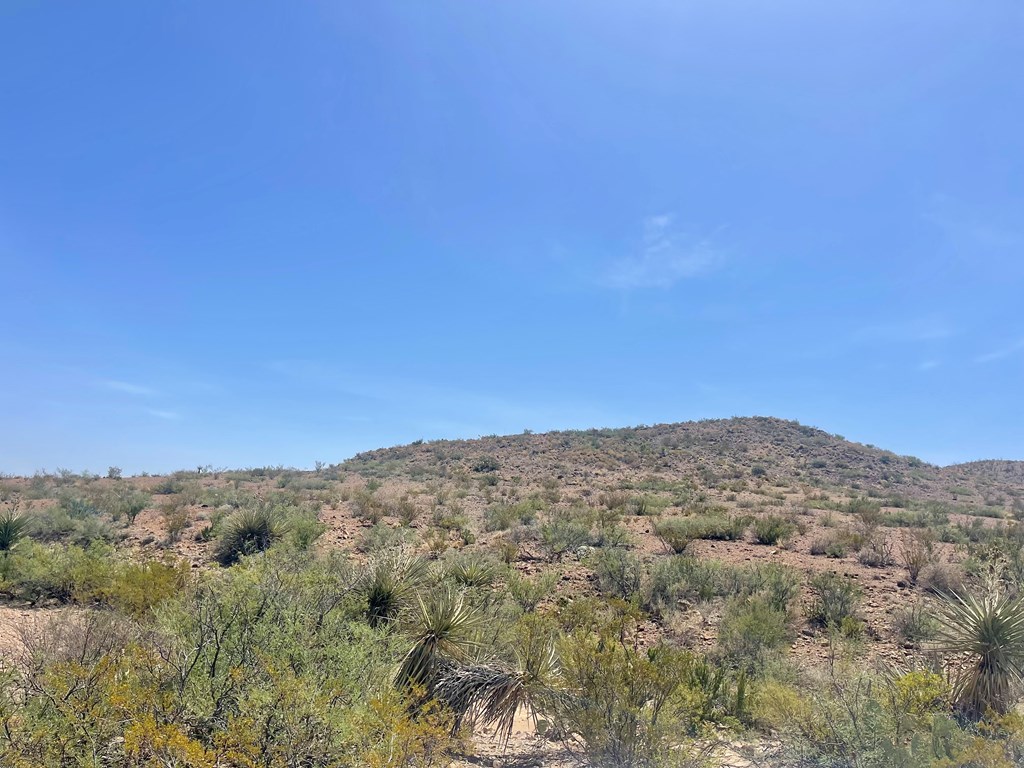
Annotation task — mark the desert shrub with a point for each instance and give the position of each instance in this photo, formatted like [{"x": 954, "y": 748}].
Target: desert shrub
[
  {"x": 501, "y": 517},
  {"x": 836, "y": 544},
  {"x": 778, "y": 584},
  {"x": 304, "y": 529},
  {"x": 382, "y": 537},
  {"x": 626, "y": 708},
  {"x": 867, "y": 511},
  {"x": 367, "y": 507},
  {"x": 834, "y": 599},
  {"x": 609, "y": 533},
  {"x": 619, "y": 572},
  {"x": 486, "y": 464},
  {"x": 528, "y": 592},
  {"x": 916, "y": 550},
  {"x": 248, "y": 532},
  {"x": 77, "y": 507},
  {"x": 752, "y": 629},
  {"x": 167, "y": 486},
  {"x": 772, "y": 529},
  {"x": 123, "y": 501},
  {"x": 876, "y": 552},
  {"x": 405, "y": 509},
  {"x": 55, "y": 524},
  {"x": 565, "y": 530},
  {"x": 677, "y": 532},
  {"x": 682, "y": 578},
  {"x": 914, "y": 624},
  {"x": 613, "y": 499},
  {"x": 175, "y": 517},
  {"x": 137, "y": 588},
  {"x": 37, "y": 572},
  {"x": 941, "y": 577}
]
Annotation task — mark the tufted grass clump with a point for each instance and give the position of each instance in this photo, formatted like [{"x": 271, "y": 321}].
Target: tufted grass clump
[
  {"x": 677, "y": 532},
  {"x": 247, "y": 532}
]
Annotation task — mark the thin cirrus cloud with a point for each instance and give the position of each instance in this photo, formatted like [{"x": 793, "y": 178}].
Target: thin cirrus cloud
[
  {"x": 667, "y": 255},
  {"x": 1002, "y": 353},
  {"x": 128, "y": 388},
  {"x": 921, "y": 329},
  {"x": 165, "y": 415}
]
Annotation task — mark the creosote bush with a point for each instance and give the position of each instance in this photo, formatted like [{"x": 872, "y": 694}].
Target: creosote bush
[
  {"x": 772, "y": 529},
  {"x": 677, "y": 532},
  {"x": 835, "y": 598}
]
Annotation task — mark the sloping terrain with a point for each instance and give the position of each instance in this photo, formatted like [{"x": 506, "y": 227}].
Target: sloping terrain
[{"x": 609, "y": 514}]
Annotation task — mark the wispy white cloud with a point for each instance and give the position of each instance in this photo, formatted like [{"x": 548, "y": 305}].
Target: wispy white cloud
[
  {"x": 918, "y": 329},
  {"x": 1002, "y": 353},
  {"x": 666, "y": 256},
  {"x": 165, "y": 415},
  {"x": 128, "y": 388},
  {"x": 929, "y": 365}
]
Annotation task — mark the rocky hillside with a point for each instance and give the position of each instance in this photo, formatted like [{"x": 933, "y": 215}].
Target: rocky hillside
[{"x": 710, "y": 452}]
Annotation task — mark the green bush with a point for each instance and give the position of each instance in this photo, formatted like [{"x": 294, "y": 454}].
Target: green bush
[
  {"x": 628, "y": 708},
  {"x": 501, "y": 517},
  {"x": 835, "y": 598},
  {"x": 565, "y": 530},
  {"x": 677, "y": 532},
  {"x": 752, "y": 630},
  {"x": 619, "y": 572},
  {"x": 382, "y": 537},
  {"x": 772, "y": 529},
  {"x": 528, "y": 592}
]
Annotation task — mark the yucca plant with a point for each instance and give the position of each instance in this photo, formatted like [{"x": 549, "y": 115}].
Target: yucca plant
[
  {"x": 989, "y": 631},
  {"x": 389, "y": 583},
  {"x": 12, "y": 528},
  {"x": 445, "y": 631},
  {"x": 247, "y": 532},
  {"x": 472, "y": 570},
  {"x": 492, "y": 694}
]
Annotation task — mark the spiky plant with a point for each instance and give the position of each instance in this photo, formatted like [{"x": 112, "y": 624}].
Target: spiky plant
[
  {"x": 388, "y": 584},
  {"x": 472, "y": 570},
  {"x": 445, "y": 630},
  {"x": 990, "y": 631},
  {"x": 247, "y": 532},
  {"x": 12, "y": 528},
  {"x": 492, "y": 694}
]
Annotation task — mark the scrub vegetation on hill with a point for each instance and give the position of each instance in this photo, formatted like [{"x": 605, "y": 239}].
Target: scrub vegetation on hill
[{"x": 740, "y": 592}]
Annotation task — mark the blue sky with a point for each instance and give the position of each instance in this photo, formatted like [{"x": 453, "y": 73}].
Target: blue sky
[{"x": 243, "y": 234}]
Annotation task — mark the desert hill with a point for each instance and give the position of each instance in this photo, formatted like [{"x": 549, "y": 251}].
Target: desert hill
[
  {"x": 763, "y": 545},
  {"x": 710, "y": 452}
]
